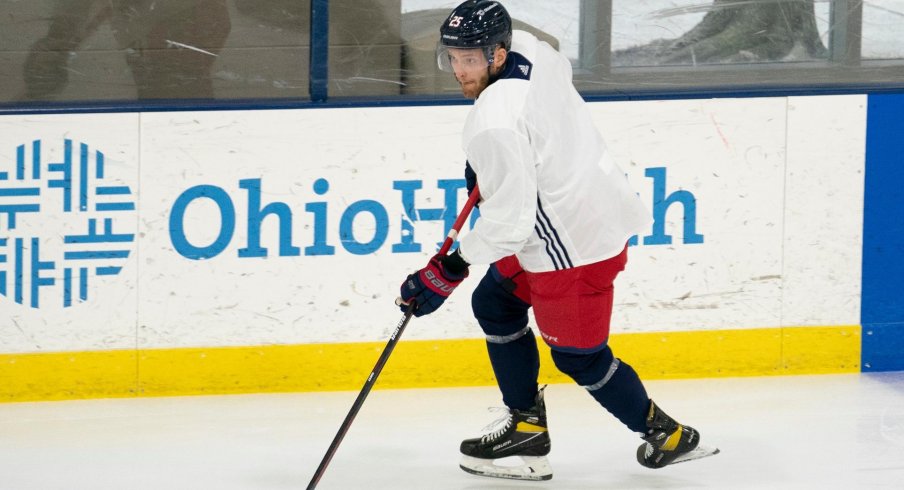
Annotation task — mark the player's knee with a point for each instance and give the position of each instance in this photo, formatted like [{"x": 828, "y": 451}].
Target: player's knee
[
  {"x": 584, "y": 368},
  {"x": 483, "y": 302},
  {"x": 497, "y": 311}
]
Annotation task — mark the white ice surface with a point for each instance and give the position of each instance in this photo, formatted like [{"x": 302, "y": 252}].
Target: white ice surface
[{"x": 800, "y": 432}]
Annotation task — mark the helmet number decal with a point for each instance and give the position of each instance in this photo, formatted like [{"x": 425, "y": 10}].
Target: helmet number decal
[{"x": 455, "y": 21}]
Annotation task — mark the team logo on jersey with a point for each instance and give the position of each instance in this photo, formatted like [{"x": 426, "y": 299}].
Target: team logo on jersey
[
  {"x": 62, "y": 218},
  {"x": 520, "y": 67}
]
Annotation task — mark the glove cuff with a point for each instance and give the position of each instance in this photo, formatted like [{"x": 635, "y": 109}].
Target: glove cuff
[{"x": 455, "y": 264}]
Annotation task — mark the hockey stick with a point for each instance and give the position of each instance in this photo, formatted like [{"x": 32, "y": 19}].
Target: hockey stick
[{"x": 393, "y": 340}]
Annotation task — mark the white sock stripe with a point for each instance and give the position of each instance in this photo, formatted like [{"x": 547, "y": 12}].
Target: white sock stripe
[
  {"x": 606, "y": 378},
  {"x": 504, "y": 339}
]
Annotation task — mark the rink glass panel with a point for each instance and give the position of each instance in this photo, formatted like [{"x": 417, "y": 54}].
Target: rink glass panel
[{"x": 148, "y": 53}]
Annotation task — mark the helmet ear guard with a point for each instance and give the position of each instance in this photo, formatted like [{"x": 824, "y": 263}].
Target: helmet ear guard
[{"x": 483, "y": 24}]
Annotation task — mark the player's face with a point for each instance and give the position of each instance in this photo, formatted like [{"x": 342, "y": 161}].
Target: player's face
[{"x": 471, "y": 70}]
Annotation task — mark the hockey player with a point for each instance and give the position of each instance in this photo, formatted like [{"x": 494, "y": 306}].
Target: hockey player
[{"x": 555, "y": 216}]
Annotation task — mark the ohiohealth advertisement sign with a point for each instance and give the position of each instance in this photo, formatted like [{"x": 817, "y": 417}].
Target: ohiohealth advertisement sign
[{"x": 297, "y": 226}]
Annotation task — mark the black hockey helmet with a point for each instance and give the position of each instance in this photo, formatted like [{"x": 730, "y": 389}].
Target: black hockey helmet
[{"x": 480, "y": 24}]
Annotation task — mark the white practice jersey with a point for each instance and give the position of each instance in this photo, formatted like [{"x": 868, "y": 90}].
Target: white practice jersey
[{"x": 550, "y": 192}]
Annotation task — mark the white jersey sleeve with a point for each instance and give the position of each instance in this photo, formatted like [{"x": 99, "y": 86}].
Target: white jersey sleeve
[{"x": 508, "y": 186}]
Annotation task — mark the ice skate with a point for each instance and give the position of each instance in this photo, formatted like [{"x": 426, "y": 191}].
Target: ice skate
[
  {"x": 668, "y": 442},
  {"x": 517, "y": 450}
]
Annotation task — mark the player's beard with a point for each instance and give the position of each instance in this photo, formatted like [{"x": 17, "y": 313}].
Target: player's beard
[{"x": 472, "y": 88}]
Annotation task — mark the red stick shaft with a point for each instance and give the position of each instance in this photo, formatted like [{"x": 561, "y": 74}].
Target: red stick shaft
[{"x": 460, "y": 221}]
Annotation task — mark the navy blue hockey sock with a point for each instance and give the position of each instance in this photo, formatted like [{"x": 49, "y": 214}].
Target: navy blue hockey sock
[
  {"x": 510, "y": 342},
  {"x": 613, "y": 383},
  {"x": 516, "y": 365}
]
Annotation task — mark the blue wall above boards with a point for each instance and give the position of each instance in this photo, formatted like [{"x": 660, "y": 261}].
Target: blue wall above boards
[{"x": 882, "y": 304}]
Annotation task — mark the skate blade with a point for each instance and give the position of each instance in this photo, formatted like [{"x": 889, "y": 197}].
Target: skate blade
[
  {"x": 533, "y": 468},
  {"x": 699, "y": 452}
]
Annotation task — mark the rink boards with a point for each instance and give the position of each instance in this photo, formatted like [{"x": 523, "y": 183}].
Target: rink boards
[{"x": 254, "y": 251}]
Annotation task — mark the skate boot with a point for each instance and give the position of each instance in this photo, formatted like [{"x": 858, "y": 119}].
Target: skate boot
[
  {"x": 523, "y": 435},
  {"x": 667, "y": 441}
]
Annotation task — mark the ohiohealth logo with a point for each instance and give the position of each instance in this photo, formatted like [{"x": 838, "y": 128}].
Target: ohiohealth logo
[{"x": 59, "y": 223}]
